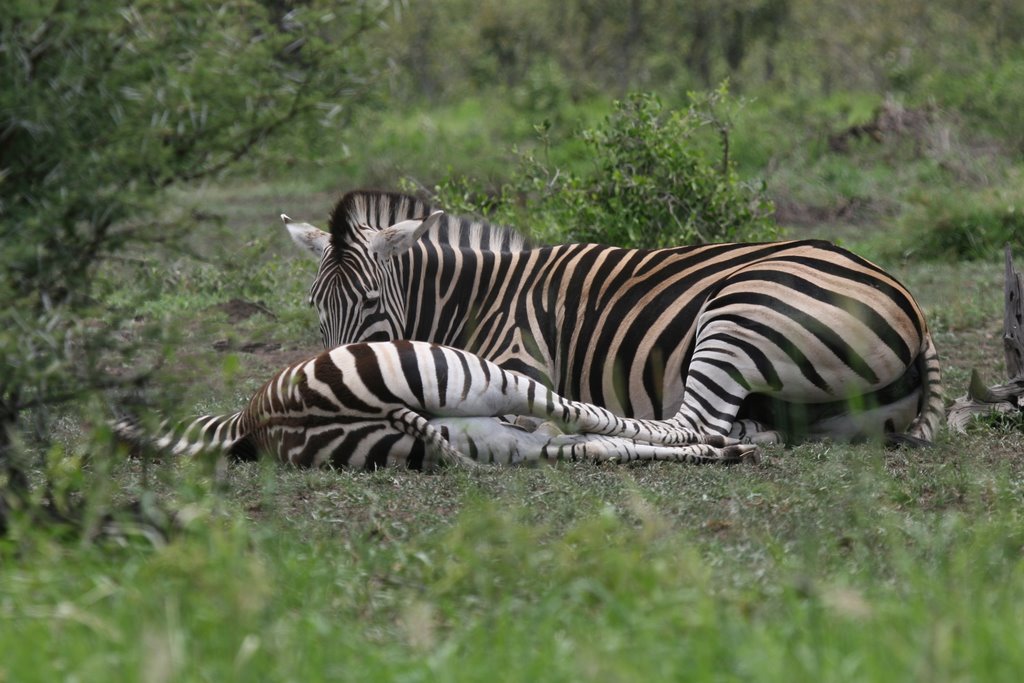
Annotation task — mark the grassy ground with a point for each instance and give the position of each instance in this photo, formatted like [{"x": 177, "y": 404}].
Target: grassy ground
[{"x": 826, "y": 562}]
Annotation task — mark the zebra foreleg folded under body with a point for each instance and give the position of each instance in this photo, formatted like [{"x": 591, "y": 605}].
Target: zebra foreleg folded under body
[{"x": 525, "y": 397}]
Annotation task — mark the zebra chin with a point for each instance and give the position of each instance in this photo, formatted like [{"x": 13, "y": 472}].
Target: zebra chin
[{"x": 379, "y": 334}]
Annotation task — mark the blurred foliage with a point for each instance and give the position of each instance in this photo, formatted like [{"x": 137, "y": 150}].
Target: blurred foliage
[
  {"x": 104, "y": 105},
  {"x": 992, "y": 95},
  {"x": 809, "y": 71},
  {"x": 966, "y": 226},
  {"x": 654, "y": 178},
  {"x": 451, "y": 46}
]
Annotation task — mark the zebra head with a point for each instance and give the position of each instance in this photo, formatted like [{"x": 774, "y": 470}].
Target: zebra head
[{"x": 356, "y": 292}]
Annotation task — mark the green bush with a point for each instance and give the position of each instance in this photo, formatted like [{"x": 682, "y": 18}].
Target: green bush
[
  {"x": 655, "y": 178},
  {"x": 104, "y": 107}
]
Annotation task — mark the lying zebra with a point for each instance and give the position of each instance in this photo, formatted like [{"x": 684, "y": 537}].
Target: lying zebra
[
  {"x": 777, "y": 341},
  {"x": 417, "y": 404}
]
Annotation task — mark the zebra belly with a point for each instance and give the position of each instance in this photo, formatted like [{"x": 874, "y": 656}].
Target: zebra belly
[
  {"x": 869, "y": 423},
  {"x": 365, "y": 444},
  {"x": 489, "y": 440},
  {"x": 888, "y": 410}
]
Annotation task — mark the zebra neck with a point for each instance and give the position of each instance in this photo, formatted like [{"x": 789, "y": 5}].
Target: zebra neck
[{"x": 449, "y": 291}]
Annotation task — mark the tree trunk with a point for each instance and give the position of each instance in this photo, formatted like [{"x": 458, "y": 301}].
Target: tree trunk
[{"x": 698, "y": 58}]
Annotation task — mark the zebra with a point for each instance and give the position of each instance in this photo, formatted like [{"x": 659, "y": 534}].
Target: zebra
[
  {"x": 768, "y": 342},
  {"x": 417, "y": 404}
]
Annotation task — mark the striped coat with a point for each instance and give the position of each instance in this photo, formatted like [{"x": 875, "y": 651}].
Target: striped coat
[{"x": 798, "y": 339}]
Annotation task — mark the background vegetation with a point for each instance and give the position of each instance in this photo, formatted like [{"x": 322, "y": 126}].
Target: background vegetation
[{"x": 146, "y": 149}]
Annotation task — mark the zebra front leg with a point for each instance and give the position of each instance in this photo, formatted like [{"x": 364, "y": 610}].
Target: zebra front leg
[{"x": 590, "y": 419}]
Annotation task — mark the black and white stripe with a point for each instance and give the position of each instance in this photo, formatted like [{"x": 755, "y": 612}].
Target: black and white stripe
[
  {"x": 800, "y": 337},
  {"x": 414, "y": 404}
]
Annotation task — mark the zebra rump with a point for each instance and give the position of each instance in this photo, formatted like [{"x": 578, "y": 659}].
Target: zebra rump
[{"x": 416, "y": 404}]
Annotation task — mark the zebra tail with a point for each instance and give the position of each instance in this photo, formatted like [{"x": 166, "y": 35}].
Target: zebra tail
[
  {"x": 932, "y": 408},
  {"x": 210, "y": 433},
  {"x": 128, "y": 432}
]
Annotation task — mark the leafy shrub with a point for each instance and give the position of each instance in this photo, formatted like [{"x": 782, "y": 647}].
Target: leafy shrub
[
  {"x": 105, "y": 106},
  {"x": 651, "y": 181}
]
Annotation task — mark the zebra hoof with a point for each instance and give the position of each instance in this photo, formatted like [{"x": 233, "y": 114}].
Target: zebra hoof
[
  {"x": 751, "y": 454},
  {"x": 746, "y": 453},
  {"x": 719, "y": 441},
  {"x": 767, "y": 438}
]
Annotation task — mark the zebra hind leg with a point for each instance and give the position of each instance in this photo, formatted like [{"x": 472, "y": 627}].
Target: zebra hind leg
[
  {"x": 752, "y": 431},
  {"x": 439, "y": 449},
  {"x": 620, "y": 449}
]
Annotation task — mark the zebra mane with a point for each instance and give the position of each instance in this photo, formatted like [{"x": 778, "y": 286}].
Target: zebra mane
[{"x": 379, "y": 209}]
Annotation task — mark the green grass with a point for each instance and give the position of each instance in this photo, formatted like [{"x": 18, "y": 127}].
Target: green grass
[
  {"x": 825, "y": 563},
  {"x": 475, "y": 135}
]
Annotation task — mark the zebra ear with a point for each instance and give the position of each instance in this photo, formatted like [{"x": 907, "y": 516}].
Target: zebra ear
[
  {"x": 395, "y": 239},
  {"x": 307, "y": 236}
]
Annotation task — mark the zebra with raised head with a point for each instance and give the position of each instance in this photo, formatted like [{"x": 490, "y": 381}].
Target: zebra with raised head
[
  {"x": 768, "y": 341},
  {"x": 416, "y": 404}
]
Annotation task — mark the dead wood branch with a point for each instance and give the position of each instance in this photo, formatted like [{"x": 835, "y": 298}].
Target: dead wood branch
[
  {"x": 1013, "y": 322},
  {"x": 1002, "y": 398}
]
